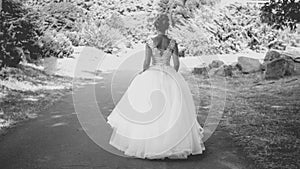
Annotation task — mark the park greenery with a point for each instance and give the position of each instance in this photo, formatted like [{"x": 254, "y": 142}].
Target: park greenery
[
  {"x": 34, "y": 29},
  {"x": 281, "y": 13}
]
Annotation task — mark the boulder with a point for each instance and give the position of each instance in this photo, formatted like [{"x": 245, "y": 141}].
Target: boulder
[
  {"x": 293, "y": 53},
  {"x": 235, "y": 66},
  {"x": 223, "y": 71},
  {"x": 249, "y": 65},
  {"x": 212, "y": 72},
  {"x": 271, "y": 55},
  {"x": 235, "y": 69},
  {"x": 228, "y": 70},
  {"x": 202, "y": 70},
  {"x": 297, "y": 68},
  {"x": 279, "y": 68},
  {"x": 215, "y": 64}
]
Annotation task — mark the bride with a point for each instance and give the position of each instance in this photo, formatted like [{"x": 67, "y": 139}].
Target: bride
[{"x": 156, "y": 117}]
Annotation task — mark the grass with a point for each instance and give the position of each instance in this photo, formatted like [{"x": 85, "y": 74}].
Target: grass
[
  {"x": 267, "y": 121},
  {"x": 262, "y": 116}
]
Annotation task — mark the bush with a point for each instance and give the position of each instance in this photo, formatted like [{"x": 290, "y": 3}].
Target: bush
[
  {"x": 281, "y": 13},
  {"x": 73, "y": 18},
  {"x": 61, "y": 16},
  {"x": 56, "y": 44},
  {"x": 227, "y": 30},
  {"x": 100, "y": 35},
  {"x": 74, "y": 37},
  {"x": 19, "y": 32}
]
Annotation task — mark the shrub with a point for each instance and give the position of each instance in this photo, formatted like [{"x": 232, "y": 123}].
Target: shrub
[
  {"x": 61, "y": 16},
  {"x": 74, "y": 37},
  {"x": 281, "y": 13},
  {"x": 227, "y": 30},
  {"x": 56, "y": 44},
  {"x": 18, "y": 32},
  {"x": 100, "y": 35}
]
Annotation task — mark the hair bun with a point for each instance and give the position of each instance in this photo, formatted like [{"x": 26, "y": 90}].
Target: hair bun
[{"x": 162, "y": 22}]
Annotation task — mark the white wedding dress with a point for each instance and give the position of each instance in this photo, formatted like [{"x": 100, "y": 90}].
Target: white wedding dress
[{"x": 156, "y": 117}]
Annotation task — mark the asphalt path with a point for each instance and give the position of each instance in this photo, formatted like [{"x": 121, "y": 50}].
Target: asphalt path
[{"x": 57, "y": 140}]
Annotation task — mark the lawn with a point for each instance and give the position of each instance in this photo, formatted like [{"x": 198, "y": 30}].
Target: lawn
[{"x": 262, "y": 116}]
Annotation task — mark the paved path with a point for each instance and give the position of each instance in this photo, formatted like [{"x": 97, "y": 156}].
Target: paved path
[{"x": 56, "y": 140}]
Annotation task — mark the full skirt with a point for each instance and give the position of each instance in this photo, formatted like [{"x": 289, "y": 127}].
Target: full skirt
[{"x": 156, "y": 117}]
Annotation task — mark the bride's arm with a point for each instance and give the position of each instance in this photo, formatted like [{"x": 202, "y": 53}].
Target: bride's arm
[
  {"x": 176, "y": 58},
  {"x": 147, "y": 60}
]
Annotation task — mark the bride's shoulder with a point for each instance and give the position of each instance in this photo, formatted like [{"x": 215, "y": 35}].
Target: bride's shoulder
[
  {"x": 172, "y": 43},
  {"x": 150, "y": 40}
]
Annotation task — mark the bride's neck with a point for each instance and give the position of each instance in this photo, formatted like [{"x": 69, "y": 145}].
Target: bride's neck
[{"x": 161, "y": 33}]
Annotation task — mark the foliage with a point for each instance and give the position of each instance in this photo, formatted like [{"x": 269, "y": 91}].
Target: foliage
[
  {"x": 61, "y": 16},
  {"x": 226, "y": 30},
  {"x": 100, "y": 35},
  {"x": 115, "y": 22},
  {"x": 72, "y": 19},
  {"x": 23, "y": 37},
  {"x": 74, "y": 37},
  {"x": 56, "y": 44},
  {"x": 193, "y": 4},
  {"x": 183, "y": 8},
  {"x": 164, "y": 5},
  {"x": 281, "y": 13},
  {"x": 19, "y": 32}
]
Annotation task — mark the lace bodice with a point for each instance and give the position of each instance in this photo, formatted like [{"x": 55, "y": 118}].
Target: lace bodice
[{"x": 161, "y": 57}]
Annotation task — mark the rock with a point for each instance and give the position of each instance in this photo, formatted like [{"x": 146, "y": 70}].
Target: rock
[
  {"x": 235, "y": 69},
  {"x": 228, "y": 70},
  {"x": 295, "y": 62},
  {"x": 279, "y": 68},
  {"x": 215, "y": 64},
  {"x": 292, "y": 52},
  {"x": 271, "y": 55},
  {"x": 212, "y": 72},
  {"x": 223, "y": 71},
  {"x": 249, "y": 65},
  {"x": 297, "y": 68},
  {"x": 201, "y": 70},
  {"x": 235, "y": 66}
]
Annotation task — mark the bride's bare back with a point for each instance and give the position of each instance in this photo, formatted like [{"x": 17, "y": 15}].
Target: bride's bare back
[
  {"x": 160, "y": 49},
  {"x": 161, "y": 42}
]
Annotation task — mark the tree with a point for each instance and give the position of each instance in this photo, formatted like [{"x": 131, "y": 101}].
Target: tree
[
  {"x": 18, "y": 32},
  {"x": 281, "y": 13}
]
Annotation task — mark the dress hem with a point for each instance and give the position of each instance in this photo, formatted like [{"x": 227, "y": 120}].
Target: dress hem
[{"x": 182, "y": 154}]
